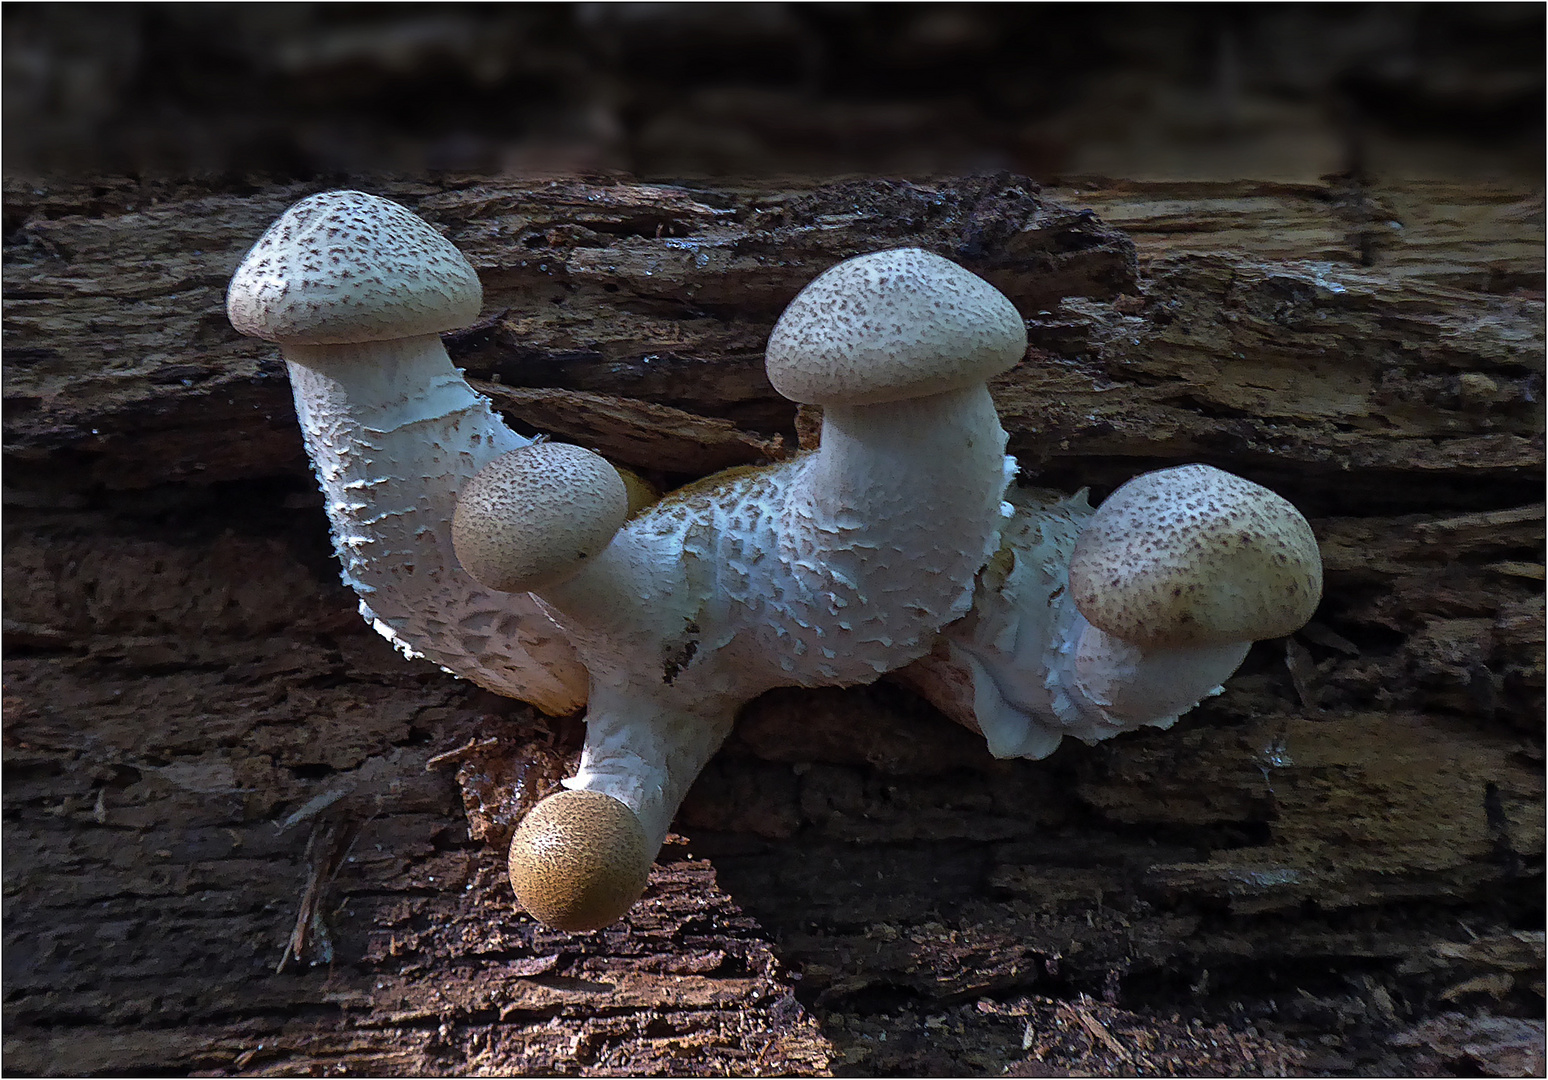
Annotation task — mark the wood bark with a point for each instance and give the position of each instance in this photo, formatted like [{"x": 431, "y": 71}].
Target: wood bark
[{"x": 225, "y": 852}]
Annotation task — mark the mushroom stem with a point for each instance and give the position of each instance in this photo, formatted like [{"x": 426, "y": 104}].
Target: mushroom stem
[
  {"x": 658, "y": 709},
  {"x": 394, "y": 431},
  {"x": 643, "y": 751},
  {"x": 824, "y": 571},
  {"x": 1110, "y": 685},
  {"x": 888, "y": 524},
  {"x": 646, "y": 752}
]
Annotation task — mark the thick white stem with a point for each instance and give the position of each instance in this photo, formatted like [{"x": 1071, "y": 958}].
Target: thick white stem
[
  {"x": 883, "y": 531},
  {"x": 643, "y": 615},
  {"x": 1118, "y": 686},
  {"x": 394, "y": 431},
  {"x": 646, "y": 752}
]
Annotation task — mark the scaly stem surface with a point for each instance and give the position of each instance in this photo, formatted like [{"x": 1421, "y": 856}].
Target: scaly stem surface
[
  {"x": 394, "y": 431},
  {"x": 827, "y": 570}
]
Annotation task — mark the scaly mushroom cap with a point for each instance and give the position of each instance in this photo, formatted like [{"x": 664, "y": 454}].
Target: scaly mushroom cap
[
  {"x": 889, "y": 326},
  {"x": 1195, "y": 556},
  {"x": 345, "y": 267},
  {"x": 579, "y": 860},
  {"x": 532, "y": 517}
]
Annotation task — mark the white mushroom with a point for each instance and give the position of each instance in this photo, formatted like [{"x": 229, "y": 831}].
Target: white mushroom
[
  {"x": 355, "y": 290},
  {"x": 825, "y": 571},
  {"x": 1092, "y": 624}
]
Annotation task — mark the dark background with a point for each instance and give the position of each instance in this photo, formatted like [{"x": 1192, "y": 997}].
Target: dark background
[{"x": 302, "y": 91}]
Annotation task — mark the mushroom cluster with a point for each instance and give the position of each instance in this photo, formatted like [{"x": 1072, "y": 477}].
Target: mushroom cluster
[{"x": 892, "y": 549}]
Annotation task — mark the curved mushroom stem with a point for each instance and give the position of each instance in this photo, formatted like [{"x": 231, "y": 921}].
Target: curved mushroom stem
[
  {"x": 1082, "y": 683},
  {"x": 646, "y": 752},
  {"x": 1106, "y": 686},
  {"x": 393, "y": 431}
]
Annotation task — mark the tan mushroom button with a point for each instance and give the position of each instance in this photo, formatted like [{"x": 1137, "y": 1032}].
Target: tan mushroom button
[{"x": 579, "y": 860}]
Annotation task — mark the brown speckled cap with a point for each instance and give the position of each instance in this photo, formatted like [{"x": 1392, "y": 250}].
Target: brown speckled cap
[
  {"x": 889, "y": 326},
  {"x": 533, "y": 516},
  {"x": 345, "y": 267},
  {"x": 1195, "y": 556},
  {"x": 579, "y": 860}
]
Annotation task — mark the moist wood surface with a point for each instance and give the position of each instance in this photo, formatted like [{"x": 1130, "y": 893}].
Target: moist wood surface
[{"x": 208, "y": 757}]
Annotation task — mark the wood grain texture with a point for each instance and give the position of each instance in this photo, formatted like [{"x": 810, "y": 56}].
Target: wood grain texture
[{"x": 185, "y": 674}]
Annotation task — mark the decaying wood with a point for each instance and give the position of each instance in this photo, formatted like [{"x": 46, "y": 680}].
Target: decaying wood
[
  {"x": 1348, "y": 841},
  {"x": 639, "y": 434}
]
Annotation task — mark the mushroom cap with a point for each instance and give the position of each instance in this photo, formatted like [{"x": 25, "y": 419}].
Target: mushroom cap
[
  {"x": 579, "y": 860},
  {"x": 889, "y": 326},
  {"x": 1196, "y": 556},
  {"x": 346, "y": 267},
  {"x": 533, "y": 516}
]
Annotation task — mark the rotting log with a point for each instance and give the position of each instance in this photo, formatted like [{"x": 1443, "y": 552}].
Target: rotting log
[{"x": 214, "y": 770}]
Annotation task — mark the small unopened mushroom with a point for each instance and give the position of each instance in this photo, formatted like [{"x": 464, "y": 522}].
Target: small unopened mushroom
[
  {"x": 356, "y": 291},
  {"x": 1094, "y": 623},
  {"x": 828, "y": 570},
  {"x": 533, "y": 516},
  {"x": 584, "y": 860}
]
